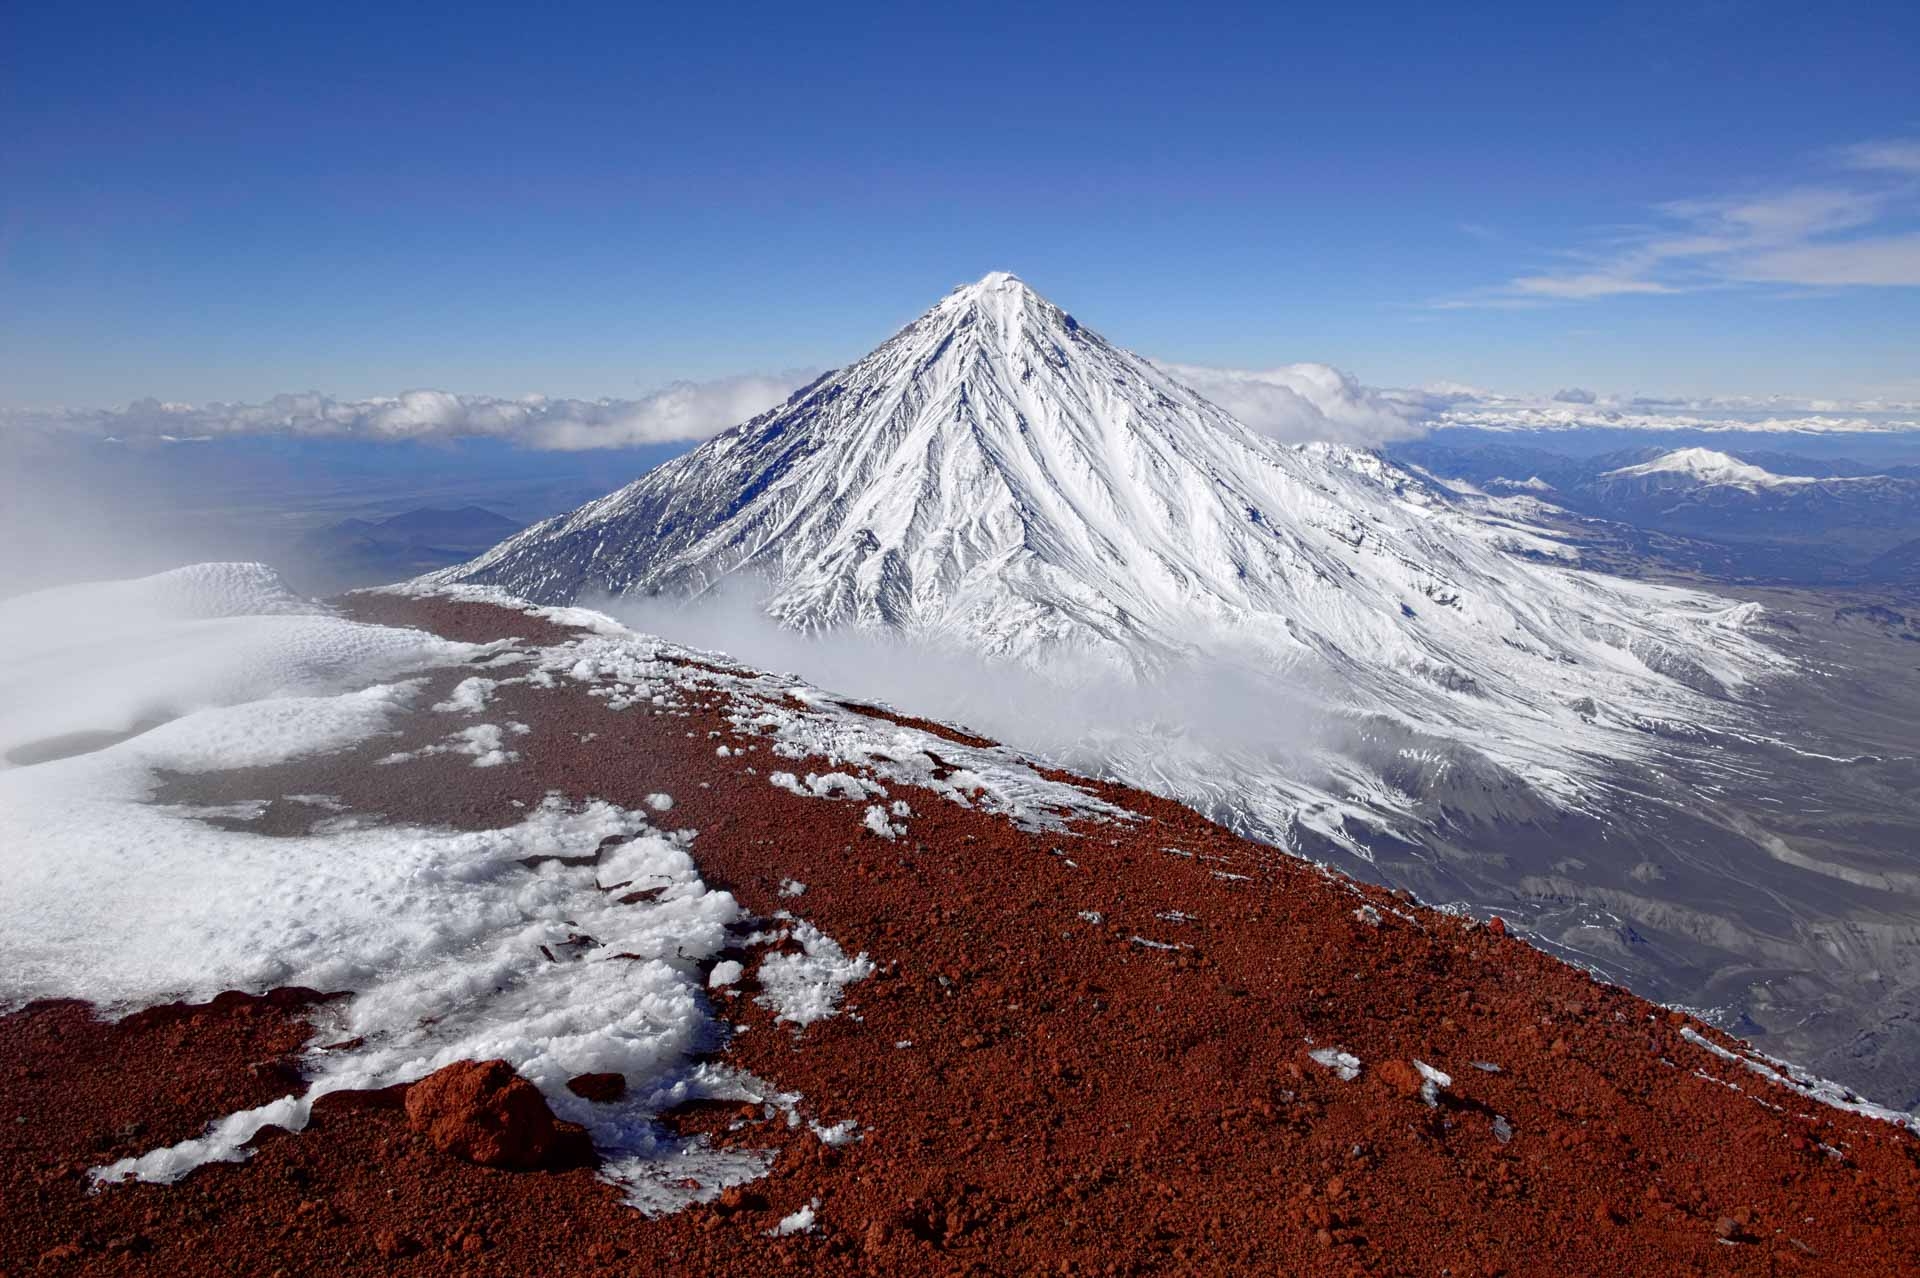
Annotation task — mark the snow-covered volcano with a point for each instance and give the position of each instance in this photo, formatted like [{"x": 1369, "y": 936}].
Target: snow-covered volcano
[
  {"x": 1346, "y": 659},
  {"x": 1704, "y": 467},
  {"x": 1001, "y": 477}
]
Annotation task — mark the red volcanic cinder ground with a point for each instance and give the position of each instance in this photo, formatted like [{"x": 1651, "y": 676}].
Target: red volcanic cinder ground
[{"x": 1036, "y": 1091}]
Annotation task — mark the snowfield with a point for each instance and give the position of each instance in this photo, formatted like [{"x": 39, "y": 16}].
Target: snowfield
[
  {"x": 108, "y": 658},
  {"x": 438, "y": 933}
]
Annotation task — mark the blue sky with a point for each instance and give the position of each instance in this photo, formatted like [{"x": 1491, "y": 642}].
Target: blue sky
[{"x": 594, "y": 201}]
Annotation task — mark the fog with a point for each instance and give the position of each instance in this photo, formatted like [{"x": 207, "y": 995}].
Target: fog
[
  {"x": 74, "y": 508},
  {"x": 1224, "y": 714},
  {"x": 57, "y": 526},
  {"x": 682, "y": 412}
]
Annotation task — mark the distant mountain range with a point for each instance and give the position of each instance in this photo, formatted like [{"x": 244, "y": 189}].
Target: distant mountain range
[{"x": 360, "y": 552}]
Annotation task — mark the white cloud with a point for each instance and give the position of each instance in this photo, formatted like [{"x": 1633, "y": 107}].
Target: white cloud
[
  {"x": 1882, "y": 260},
  {"x": 1591, "y": 284},
  {"x": 682, "y": 411},
  {"x": 1300, "y": 402},
  {"x": 1292, "y": 402},
  {"x": 1894, "y": 155},
  {"x": 1827, "y": 234},
  {"x": 1577, "y": 409}
]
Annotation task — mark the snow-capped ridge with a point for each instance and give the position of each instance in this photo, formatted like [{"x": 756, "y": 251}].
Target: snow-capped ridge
[
  {"x": 1709, "y": 466},
  {"x": 194, "y": 592}
]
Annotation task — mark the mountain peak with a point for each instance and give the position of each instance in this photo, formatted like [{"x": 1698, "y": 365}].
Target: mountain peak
[
  {"x": 1708, "y": 468},
  {"x": 999, "y": 295},
  {"x": 996, "y": 282}
]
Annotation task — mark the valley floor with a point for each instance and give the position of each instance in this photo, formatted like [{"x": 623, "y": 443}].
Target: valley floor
[{"x": 1082, "y": 1051}]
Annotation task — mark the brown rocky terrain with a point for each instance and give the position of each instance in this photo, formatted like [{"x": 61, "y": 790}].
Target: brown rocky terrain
[{"x": 1079, "y": 1053}]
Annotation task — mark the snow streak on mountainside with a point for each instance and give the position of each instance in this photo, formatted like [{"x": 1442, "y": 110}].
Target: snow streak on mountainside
[{"x": 1000, "y": 477}]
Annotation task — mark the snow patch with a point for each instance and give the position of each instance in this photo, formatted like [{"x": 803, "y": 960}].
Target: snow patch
[
  {"x": 108, "y": 659},
  {"x": 841, "y": 1133},
  {"x": 1797, "y": 1080},
  {"x": 469, "y": 696},
  {"x": 876, "y": 822},
  {"x": 1432, "y": 1083},
  {"x": 807, "y": 987},
  {"x": 800, "y": 1222},
  {"x": 451, "y": 944},
  {"x": 485, "y": 743}
]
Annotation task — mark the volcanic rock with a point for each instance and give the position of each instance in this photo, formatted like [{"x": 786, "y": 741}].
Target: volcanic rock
[
  {"x": 485, "y": 1113},
  {"x": 602, "y": 1089},
  {"x": 1400, "y": 1076}
]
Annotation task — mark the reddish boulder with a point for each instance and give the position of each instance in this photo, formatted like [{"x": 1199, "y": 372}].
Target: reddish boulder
[
  {"x": 485, "y": 1113},
  {"x": 1400, "y": 1076},
  {"x": 600, "y": 1088},
  {"x": 739, "y": 1198}
]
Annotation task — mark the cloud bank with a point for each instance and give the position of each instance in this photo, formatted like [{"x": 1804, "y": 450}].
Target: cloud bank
[
  {"x": 683, "y": 411},
  {"x": 1297, "y": 403},
  {"x": 1293, "y": 402},
  {"x": 1229, "y": 714},
  {"x": 1577, "y": 408}
]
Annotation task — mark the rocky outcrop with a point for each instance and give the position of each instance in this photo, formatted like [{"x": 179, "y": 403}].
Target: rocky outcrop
[{"x": 485, "y": 1113}]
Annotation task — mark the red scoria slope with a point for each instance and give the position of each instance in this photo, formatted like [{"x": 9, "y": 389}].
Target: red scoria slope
[{"x": 1035, "y": 1091}]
